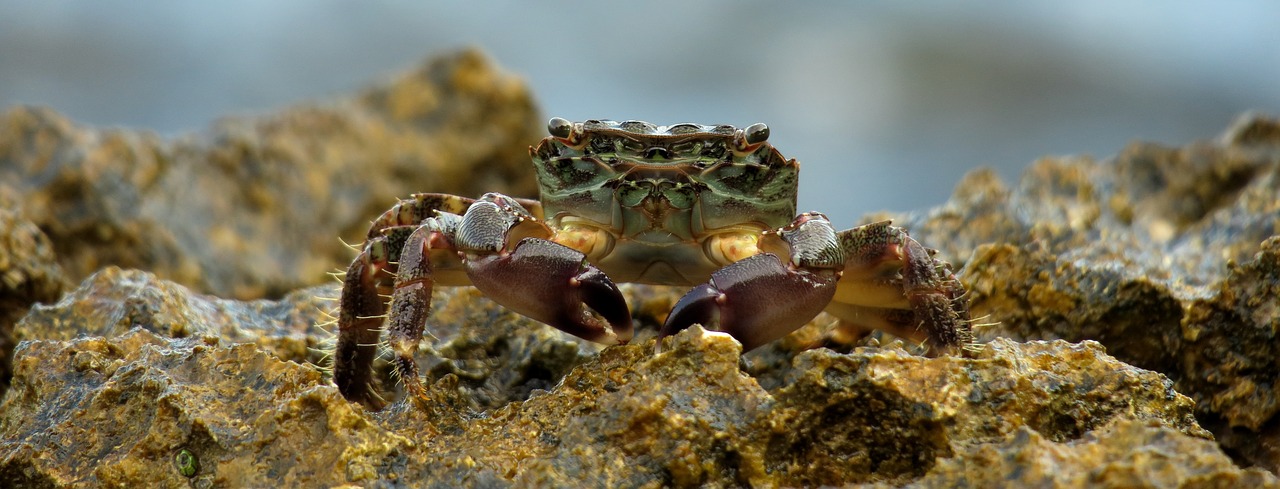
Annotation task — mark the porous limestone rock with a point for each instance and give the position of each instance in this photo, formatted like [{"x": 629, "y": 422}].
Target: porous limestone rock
[
  {"x": 129, "y": 371},
  {"x": 256, "y": 205}
]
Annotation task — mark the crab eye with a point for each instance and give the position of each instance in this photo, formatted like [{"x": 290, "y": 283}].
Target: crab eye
[
  {"x": 560, "y": 128},
  {"x": 757, "y": 133}
]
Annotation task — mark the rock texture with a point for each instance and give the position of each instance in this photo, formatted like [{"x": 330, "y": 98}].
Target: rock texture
[
  {"x": 1125, "y": 453},
  {"x": 255, "y": 206},
  {"x": 132, "y": 371},
  {"x": 1167, "y": 256},
  {"x": 1132, "y": 301},
  {"x": 28, "y": 274}
]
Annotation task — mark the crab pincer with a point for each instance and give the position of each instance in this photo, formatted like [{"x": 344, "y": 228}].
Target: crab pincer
[
  {"x": 554, "y": 284},
  {"x": 760, "y": 298},
  {"x": 756, "y": 300}
]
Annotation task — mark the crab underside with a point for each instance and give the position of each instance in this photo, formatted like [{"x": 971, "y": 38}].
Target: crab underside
[{"x": 709, "y": 207}]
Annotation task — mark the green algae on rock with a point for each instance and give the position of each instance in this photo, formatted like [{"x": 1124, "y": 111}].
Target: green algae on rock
[{"x": 113, "y": 302}]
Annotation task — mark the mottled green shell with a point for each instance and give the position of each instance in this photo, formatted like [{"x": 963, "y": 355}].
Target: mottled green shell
[{"x": 648, "y": 182}]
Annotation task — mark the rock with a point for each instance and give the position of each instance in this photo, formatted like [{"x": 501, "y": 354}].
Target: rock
[
  {"x": 114, "y": 302},
  {"x": 29, "y": 274},
  {"x": 1160, "y": 268},
  {"x": 1125, "y": 453},
  {"x": 117, "y": 411},
  {"x": 128, "y": 371},
  {"x": 1167, "y": 256},
  {"x": 255, "y": 206}
]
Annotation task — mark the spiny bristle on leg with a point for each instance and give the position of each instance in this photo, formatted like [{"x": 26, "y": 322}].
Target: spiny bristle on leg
[
  {"x": 976, "y": 324},
  {"x": 373, "y": 391},
  {"x": 327, "y": 345},
  {"x": 410, "y": 380},
  {"x": 395, "y": 377},
  {"x": 325, "y": 365},
  {"x": 325, "y": 313},
  {"x": 385, "y": 352},
  {"x": 356, "y": 248},
  {"x": 924, "y": 345}
]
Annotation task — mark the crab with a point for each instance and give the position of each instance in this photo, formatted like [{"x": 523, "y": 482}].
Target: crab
[{"x": 707, "y": 207}]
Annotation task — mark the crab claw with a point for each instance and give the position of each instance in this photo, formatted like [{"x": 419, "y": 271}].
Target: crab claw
[
  {"x": 554, "y": 284},
  {"x": 756, "y": 300}
]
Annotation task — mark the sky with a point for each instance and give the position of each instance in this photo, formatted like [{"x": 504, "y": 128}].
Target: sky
[{"x": 886, "y": 104}]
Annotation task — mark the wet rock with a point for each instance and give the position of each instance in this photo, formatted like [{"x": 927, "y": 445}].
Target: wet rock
[
  {"x": 1126, "y": 453},
  {"x": 893, "y": 415},
  {"x": 113, "y": 302},
  {"x": 255, "y": 205},
  {"x": 1167, "y": 256},
  {"x": 130, "y": 372},
  {"x": 29, "y": 274},
  {"x": 1163, "y": 257},
  {"x": 117, "y": 412}
]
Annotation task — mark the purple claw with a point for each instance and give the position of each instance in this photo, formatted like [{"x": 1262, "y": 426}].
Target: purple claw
[
  {"x": 554, "y": 284},
  {"x": 755, "y": 300}
]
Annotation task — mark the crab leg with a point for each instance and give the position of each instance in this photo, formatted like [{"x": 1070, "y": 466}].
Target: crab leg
[
  {"x": 535, "y": 277},
  {"x": 887, "y": 274},
  {"x": 411, "y": 300},
  {"x": 368, "y": 279},
  {"x": 760, "y": 299}
]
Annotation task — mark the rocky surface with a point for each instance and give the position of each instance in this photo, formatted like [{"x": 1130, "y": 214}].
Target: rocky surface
[
  {"x": 28, "y": 274},
  {"x": 1159, "y": 268},
  {"x": 255, "y": 205},
  {"x": 134, "y": 370},
  {"x": 1167, "y": 256}
]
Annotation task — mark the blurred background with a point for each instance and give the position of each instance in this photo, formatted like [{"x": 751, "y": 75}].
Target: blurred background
[{"x": 886, "y": 104}]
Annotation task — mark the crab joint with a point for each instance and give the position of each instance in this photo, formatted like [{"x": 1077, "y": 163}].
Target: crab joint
[
  {"x": 729, "y": 248},
  {"x": 590, "y": 240}
]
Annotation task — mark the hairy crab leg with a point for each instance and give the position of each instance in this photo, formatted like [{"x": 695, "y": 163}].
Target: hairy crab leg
[
  {"x": 362, "y": 306},
  {"x": 360, "y": 313},
  {"x": 535, "y": 277},
  {"x": 411, "y": 300},
  {"x": 885, "y": 267}
]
